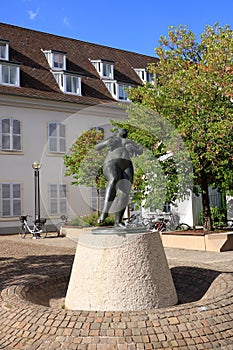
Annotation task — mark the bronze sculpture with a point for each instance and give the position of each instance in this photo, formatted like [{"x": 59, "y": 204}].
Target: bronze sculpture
[{"x": 119, "y": 172}]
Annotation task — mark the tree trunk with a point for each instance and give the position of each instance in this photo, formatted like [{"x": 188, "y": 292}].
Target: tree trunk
[
  {"x": 98, "y": 201},
  {"x": 207, "y": 222}
]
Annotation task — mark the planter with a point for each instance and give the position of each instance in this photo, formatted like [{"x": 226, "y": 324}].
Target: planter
[{"x": 198, "y": 240}]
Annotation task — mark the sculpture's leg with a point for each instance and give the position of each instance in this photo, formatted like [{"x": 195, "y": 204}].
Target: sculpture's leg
[
  {"x": 119, "y": 218},
  {"x": 109, "y": 198},
  {"x": 124, "y": 187}
]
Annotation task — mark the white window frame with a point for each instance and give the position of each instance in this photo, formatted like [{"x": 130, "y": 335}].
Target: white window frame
[
  {"x": 141, "y": 72},
  {"x": 10, "y": 67},
  {"x": 61, "y": 79},
  {"x": 58, "y": 199},
  {"x": 111, "y": 85},
  {"x": 150, "y": 77},
  {"x": 11, "y": 200},
  {"x": 56, "y": 135},
  {"x": 4, "y": 47},
  {"x": 50, "y": 56},
  {"x": 100, "y": 67},
  {"x": 11, "y": 135},
  {"x": 75, "y": 88},
  {"x": 107, "y": 67},
  {"x": 116, "y": 89},
  {"x": 144, "y": 75},
  {"x": 122, "y": 94}
]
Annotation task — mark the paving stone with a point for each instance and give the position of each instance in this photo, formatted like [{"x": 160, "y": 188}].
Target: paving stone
[{"x": 194, "y": 325}]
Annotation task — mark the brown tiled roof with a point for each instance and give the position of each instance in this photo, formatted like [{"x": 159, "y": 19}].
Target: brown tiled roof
[{"x": 36, "y": 79}]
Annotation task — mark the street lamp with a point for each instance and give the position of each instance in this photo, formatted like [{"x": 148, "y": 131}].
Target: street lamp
[{"x": 36, "y": 166}]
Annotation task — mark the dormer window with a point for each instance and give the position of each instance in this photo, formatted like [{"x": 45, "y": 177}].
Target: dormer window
[
  {"x": 73, "y": 84},
  {"x": 56, "y": 59},
  {"x": 4, "y": 50},
  {"x": 104, "y": 68},
  {"x": 144, "y": 75},
  {"x": 9, "y": 71},
  {"x": 68, "y": 82},
  {"x": 117, "y": 90},
  {"x": 9, "y": 74},
  {"x": 122, "y": 93}
]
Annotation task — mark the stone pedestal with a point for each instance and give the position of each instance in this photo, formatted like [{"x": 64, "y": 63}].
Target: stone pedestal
[{"x": 120, "y": 270}]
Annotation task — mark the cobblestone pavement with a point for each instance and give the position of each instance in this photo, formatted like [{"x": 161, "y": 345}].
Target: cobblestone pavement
[{"x": 33, "y": 279}]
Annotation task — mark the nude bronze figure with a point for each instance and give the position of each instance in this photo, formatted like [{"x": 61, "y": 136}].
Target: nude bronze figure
[{"x": 118, "y": 170}]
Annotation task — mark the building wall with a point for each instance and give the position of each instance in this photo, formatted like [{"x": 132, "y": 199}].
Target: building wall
[{"x": 16, "y": 167}]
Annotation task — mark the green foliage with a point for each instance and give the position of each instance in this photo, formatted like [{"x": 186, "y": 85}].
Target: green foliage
[
  {"x": 91, "y": 220},
  {"x": 218, "y": 216},
  {"x": 77, "y": 221},
  {"x": 193, "y": 91},
  {"x": 83, "y": 163},
  {"x": 163, "y": 173}
]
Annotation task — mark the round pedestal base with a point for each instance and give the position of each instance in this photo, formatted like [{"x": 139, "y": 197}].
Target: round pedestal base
[{"x": 120, "y": 271}]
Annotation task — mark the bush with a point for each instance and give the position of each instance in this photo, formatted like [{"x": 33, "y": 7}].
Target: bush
[
  {"x": 218, "y": 216},
  {"x": 91, "y": 220},
  {"x": 78, "y": 221}
]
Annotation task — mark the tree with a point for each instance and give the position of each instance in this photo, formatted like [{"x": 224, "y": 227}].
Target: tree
[
  {"x": 152, "y": 170},
  {"x": 84, "y": 164},
  {"x": 163, "y": 173},
  {"x": 193, "y": 91}
]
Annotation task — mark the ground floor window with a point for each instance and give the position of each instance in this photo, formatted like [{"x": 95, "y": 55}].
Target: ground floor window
[
  {"x": 11, "y": 199},
  {"x": 57, "y": 199}
]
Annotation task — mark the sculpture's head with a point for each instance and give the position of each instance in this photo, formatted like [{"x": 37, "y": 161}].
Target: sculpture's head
[{"x": 122, "y": 133}]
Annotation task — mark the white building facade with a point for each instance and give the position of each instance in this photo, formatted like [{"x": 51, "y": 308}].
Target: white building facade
[{"x": 51, "y": 90}]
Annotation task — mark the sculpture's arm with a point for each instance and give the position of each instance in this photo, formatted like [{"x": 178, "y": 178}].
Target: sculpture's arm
[
  {"x": 134, "y": 148},
  {"x": 101, "y": 145}
]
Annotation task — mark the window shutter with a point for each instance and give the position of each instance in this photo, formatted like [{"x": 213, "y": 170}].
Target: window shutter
[
  {"x": 53, "y": 199},
  {"x": 0, "y": 133},
  {"x": 0, "y": 200},
  {"x": 6, "y": 132},
  {"x": 56, "y": 137},
  {"x": 10, "y": 134},
  {"x": 16, "y": 134},
  {"x": 52, "y": 137},
  {"x": 57, "y": 199},
  {"x": 10, "y": 199},
  {"x": 62, "y": 141},
  {"x": 16, "y": 199}
]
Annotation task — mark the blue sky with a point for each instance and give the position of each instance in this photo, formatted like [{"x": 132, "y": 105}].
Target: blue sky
[{"x": 125, "y": 24}]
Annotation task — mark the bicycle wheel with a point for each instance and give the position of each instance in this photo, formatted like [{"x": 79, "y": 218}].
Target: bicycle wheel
[
  {"x": 183, "y": 227},
  {"x": 22, "y": 231},
  {"x": 58, "y": 228},
  {"x": 42, "y": 233}
]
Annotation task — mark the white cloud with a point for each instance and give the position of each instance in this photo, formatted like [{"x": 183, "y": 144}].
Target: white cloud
[
  {"x": 66, "y": 21},
  {"x": 33, "y": 14}
]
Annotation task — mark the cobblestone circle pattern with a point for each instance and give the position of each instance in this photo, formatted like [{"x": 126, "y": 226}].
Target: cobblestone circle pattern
[{"x": 202, "y": 320}]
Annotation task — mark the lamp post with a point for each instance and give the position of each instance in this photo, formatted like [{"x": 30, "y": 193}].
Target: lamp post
[{"x": 36, "y": 166}]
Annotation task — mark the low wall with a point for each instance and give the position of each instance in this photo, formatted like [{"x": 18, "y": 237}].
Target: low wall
[{"x": 215, "y": 242}]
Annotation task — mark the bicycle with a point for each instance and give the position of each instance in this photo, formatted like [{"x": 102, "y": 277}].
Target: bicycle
[
  {"x": 64, "y": 222},
  {"x": 38, "y": 230},
  {"x": 135, "y": 220},
  {"x": 173, "y": 224},
  {"x": 165, "y": 222}
]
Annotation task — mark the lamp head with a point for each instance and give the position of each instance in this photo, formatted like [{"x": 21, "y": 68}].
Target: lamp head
[{"x": 36, "y": 165}]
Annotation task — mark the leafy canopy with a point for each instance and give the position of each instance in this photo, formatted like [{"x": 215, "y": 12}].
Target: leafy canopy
[
  {"x": 83, "y": 163},
  {"x": 163, "y": 172},
  {"x": 193, "y": 91}
]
